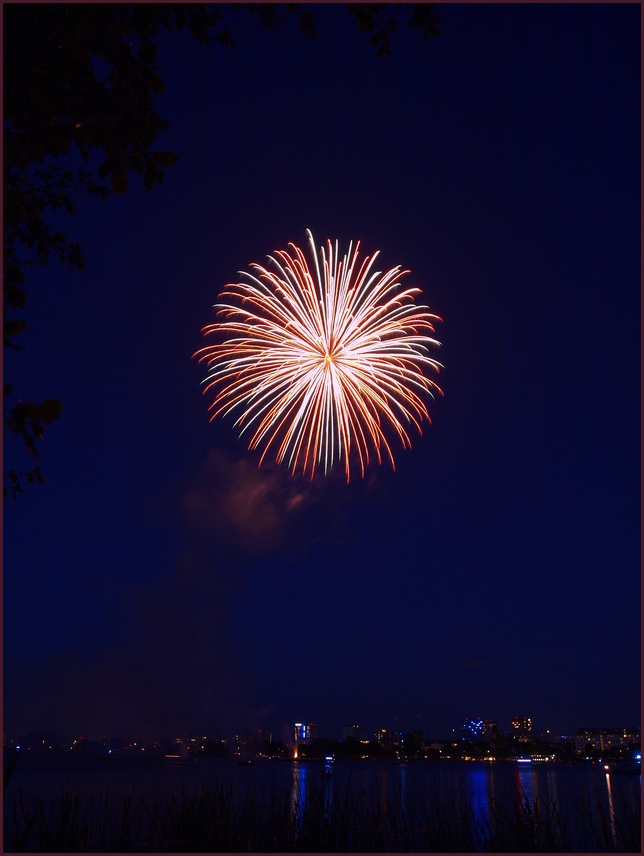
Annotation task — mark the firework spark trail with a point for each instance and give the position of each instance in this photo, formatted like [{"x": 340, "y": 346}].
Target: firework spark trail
[{"x": 320, "y": 360}]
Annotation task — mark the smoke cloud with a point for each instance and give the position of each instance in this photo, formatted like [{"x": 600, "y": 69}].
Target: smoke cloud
[{"x": 173, "y": 666}]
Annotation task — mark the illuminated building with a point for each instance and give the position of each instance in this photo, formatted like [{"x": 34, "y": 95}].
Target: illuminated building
[
  {"x": 579, "y": 744},
  {"x": 388, "y": 738},
  {"x": 601, "y": 739},
  {"x": 479, "y": 729},
  {"x": 305, "y": 732},
  {"x": 521, "y": 725},
  {"x": 605, "y": 738},
  {"x": 472, "y": 728}
]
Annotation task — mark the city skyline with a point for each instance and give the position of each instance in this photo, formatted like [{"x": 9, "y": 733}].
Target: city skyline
[
  {"x": 308, "y": 733},
  {"x": 614, "y": 748}
]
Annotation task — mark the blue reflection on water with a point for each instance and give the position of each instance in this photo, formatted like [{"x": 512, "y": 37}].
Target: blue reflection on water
[
  {"x": 479, "y": 798},
  {"x": 329, "y": 786},
  {"x": 298, "y": 793},
  {"x": 470, "y": 788}
]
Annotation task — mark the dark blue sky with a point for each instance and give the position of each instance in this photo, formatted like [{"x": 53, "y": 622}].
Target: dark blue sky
[{"x": 160, "y": 583}]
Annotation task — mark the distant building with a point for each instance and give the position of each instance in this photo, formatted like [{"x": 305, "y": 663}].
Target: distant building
[
  {"x": 578, "y": 744},
  {"x": 605, "y": 738},
  {"x": 305, "y": 733},
  {"x": 479, "y": 729},
  {"x": 472, "y": 728},
  {"x": 600, "y": 739},
  {"x": 355, "y": 731},
  {"x": 521, "y": 726},
  {"x": 388, "y": 738}
]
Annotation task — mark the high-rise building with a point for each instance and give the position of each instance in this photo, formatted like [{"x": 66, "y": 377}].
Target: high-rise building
[
  {"x": 388, "y": 738},
  {"x": 472, "y": 728},
  {"x": 479, "y": 729},
  {"x": 522, "y": 726},
  {"x": 305, "y": 733},
  {"x": 355, "y": 731}
]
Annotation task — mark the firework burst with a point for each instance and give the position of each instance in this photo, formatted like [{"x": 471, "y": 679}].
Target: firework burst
[{"x": 321, "y": 362}]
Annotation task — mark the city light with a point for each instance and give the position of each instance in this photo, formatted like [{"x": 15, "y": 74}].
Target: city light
[{"x": 614, "y": 750}]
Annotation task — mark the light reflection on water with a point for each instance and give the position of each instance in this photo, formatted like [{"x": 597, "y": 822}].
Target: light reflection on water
[
  {"x": 527, "y": 789},
  {"x": 535, "y": 791},
  {"x": 480, "y": 790},
  {"x": 301, "y": 775},
  {"x": 329, "y": 790},
  {"x": 611, "y": 811},
  {"x": 470, "y": 786},
  {"x": 298, "y": 792}
]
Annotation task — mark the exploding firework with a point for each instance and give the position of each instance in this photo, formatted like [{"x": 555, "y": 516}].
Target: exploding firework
[{"x": 321, "y": 362}]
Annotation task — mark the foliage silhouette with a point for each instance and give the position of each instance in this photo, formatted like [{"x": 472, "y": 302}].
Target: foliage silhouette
[{"x": 80, "y": 79}]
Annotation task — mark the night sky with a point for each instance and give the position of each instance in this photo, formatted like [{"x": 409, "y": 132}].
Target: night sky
[{"x": 159, "y": 583}]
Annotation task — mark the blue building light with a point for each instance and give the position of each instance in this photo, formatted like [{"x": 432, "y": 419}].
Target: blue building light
[{"x": 474, "y": 726}]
